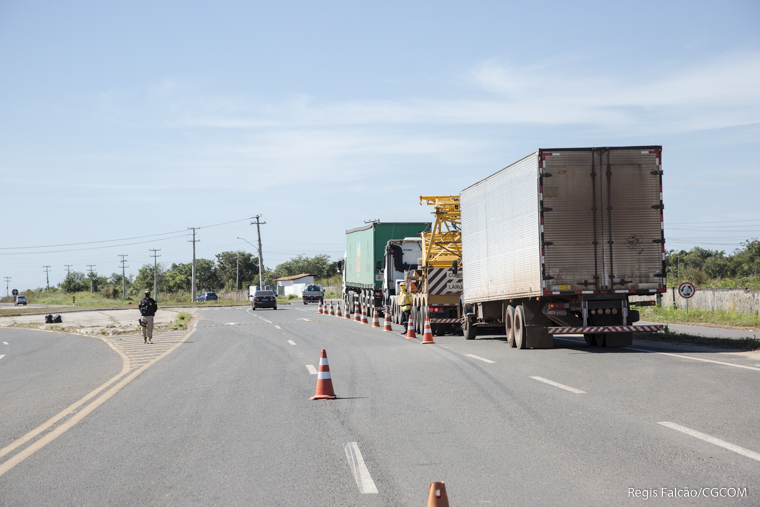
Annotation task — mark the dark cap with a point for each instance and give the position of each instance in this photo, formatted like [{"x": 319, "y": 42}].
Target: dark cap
[{"x": 147, "y": 292}]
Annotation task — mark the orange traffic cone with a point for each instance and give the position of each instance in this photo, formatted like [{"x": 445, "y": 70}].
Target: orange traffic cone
[
  {"x": 437, "y": 495},
  {"x": 332, "y": 310},
  {"x": 357, "y": 315},
  {"x": 324, "y": 381},
  {"x": 347, "y": 314},
  {"x": 319, "y": 308},
  {"x": 410, "y": 329},
  {"x": 427, "y": 335},
  {"x": 364, "y": 315},
  {"x": 338, "y": 312},
  {"x": 387, "y": 322},
  {"x": 375, "y": 322}
]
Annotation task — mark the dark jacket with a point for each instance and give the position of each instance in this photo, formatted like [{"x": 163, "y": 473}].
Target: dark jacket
[{"x": 148, "y": 307}]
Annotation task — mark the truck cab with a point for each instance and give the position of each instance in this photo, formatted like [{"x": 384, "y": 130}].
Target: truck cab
[{"x": 401, "y": 255}]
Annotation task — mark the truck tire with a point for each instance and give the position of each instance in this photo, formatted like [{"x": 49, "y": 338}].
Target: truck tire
[
  {"x": 509, "y": 324},
  {"x": 519, "y": 327},
  {"x": 469, "y": 331},
  {"x": 594, "y": 340}
]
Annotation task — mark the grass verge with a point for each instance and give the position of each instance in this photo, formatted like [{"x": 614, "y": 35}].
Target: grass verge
[
  {"x": 181, "y": 322},
  {"x": 742, "y": 344},
  {"x": 695, "y": 317}
]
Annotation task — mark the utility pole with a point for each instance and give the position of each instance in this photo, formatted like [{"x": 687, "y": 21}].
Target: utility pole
[
  {"x": 90, "y": 266},
  {"x": 237, "y": 279},
  {"x": 155, "y": 272},
  {"x": 261, "y": 259},
  {"x": 7, "y": 281},
  {"x": 47, "y": 276},
  {"x": 194, "y": 241},
  {"x": 68, "y": 269},
  {"x": 123, "y": 276}
]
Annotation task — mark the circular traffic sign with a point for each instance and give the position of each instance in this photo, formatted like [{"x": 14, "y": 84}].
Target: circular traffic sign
[
  {"x": 686, "y": 290},
  {"x": 14, "y": 292}
]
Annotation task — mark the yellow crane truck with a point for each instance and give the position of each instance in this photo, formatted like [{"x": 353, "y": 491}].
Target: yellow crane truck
[{"x": 436, "y": 283}]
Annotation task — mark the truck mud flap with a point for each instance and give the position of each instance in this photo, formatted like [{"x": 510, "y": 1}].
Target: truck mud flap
[{"x": 537, "y": 337}]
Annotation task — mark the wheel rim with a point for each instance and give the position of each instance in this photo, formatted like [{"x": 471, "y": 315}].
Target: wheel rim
[
  {"x": 510, "y": 325},
  {"x": 519, "y": 329}
]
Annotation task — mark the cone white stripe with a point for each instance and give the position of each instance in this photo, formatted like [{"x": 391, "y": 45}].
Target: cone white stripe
[
  {"x": 324, "y": 375},
  {"x": 323, "y": 361}
]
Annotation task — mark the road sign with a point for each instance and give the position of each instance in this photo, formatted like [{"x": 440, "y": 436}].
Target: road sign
[
  {"x": 14, "y": 292},
  {"x": 686, "y": 290}
]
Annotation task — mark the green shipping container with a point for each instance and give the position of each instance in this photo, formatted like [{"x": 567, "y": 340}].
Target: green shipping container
[{"x": 366, "y": 245}]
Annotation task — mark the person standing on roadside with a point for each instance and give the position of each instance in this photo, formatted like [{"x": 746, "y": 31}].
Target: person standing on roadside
[
  {"x": 405, "y": 305},
  {"x": 148, "y": 309}
]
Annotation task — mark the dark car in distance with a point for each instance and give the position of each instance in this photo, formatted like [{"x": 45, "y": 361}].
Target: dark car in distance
[
  {"x": 264, "y": 299},
  {"x": 207, "y": 296}
]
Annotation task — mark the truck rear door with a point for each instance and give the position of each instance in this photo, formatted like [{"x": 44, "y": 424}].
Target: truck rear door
[{"x": 602, "y": 220}]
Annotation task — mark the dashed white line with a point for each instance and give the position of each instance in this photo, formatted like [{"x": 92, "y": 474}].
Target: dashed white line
[
  {"x": 359, "y": 469},
  {"x": 5, "y": 343},
  {"x": 480, "y": 358},
  {"x": 561, "y": 386},
  {"x": 712, "y": 440},
  {"x": 2, "y": 356},
  {"x": 696, "y": 359},
  {"x": 291, "y": 342},
  {"x": 278, "y": 327},
  {"x": 672, "y": 355},
  {"x": 311, "y": 369}
]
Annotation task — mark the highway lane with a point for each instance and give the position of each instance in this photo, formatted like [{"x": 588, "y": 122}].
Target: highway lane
[
  {"x": 42, "y": 373},
  {"x": 226, "y": 419}
]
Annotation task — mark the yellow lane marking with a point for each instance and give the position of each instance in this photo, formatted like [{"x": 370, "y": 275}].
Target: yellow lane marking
[
  {"x": 78, "y": 416},
  {"x": 71, "y": 408}
]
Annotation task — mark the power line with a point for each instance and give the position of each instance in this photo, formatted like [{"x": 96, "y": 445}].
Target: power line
[
  {"x": 90, "y": 266},
  {"x": 194, "y": 241},
  {"x": 123, "y": 276},
  {"x": 155, "y": 271}
]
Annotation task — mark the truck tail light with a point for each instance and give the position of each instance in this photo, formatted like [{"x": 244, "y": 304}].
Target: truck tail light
[{"x": 557, "y": 306}]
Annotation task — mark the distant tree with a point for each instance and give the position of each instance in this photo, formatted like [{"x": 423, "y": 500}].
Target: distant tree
[
  {"x": 227, "y": 263},
  {"x": 75, "y": 282},
  {"x": 319, "y": 266}
]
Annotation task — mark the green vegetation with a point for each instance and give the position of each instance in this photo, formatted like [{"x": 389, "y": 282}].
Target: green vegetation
[
  {"x": 696, "y": 317},
  {"x": 714, "y": 269},
  {"x": 723, "y": 343},
  {"x": 181, "y": 321}
]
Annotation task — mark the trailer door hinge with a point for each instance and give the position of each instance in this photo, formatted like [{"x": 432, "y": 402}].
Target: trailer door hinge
[{"x": 658, "y": 206}]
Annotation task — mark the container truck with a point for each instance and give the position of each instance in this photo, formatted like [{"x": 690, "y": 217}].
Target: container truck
[
  {"x": 401, "y": 255},
  {"x": 365, "y": 251},
  {"x": 556, "y": 242}
]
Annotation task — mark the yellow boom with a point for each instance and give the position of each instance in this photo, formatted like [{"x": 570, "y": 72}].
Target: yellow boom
[{"x": 443, "y": 244}]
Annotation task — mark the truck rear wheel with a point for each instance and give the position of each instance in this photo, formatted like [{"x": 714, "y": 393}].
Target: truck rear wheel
[
  {"x": 509, "y": 324},
  {"x": 470, "y": 331},
  {"x": 519, "y": 327}
]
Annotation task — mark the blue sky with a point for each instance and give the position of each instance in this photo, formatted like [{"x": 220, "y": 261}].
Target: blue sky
[{"x": 125, "y": 120}]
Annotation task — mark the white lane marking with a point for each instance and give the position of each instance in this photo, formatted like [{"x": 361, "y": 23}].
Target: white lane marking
[
  {"x": 672, "y": 355},
  {"x": 561, "y": 386},
  {"x": 311, "y": 369},
  {"x": 305, "y": 320},
  {"x": 359, "y": 469},
  {"x": 231, "y": 324},
  {"x": 712, "y": 440},
  {"x": 480, "y": 358},
  {"x": 2, "y": 356},
  {"x": 278, "y": 327},
  {"x": 291, "y": 342},
  {"x": 696, "y": 359},
  {"x": 5, "y": 343}
]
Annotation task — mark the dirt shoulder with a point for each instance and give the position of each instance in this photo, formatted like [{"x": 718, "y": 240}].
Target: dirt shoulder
[{"x": 95, "y": 322}]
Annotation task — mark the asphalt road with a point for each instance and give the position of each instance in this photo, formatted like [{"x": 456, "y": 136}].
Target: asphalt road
[{"x": 225, "y": 419}]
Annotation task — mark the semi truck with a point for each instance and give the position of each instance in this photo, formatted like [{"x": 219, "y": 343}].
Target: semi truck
[
  {"x": 556, "y": 242},
  {"x": 365, "y": 252},
  {"x": 401, "y": 255}
]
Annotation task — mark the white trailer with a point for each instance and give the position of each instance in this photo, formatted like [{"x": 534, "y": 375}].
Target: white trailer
[{"x": 556, "y": 242}]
